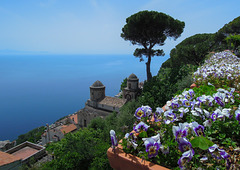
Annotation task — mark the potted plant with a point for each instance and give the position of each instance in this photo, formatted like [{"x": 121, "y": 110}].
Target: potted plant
[{"x": 199, "y": 127}]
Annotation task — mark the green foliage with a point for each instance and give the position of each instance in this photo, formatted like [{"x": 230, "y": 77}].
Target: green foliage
[
  {"x": 126, "y": 117},
  {"x": 232, "y": 27},
  {"x": 233, "y": 42},
  {"x": 31, "y": 136},
  {"x": 192, "y": 50},
  {"x": 123, "y": 84},
  {"x": 163, "y": 86},
  {"x": 81, "y": 150},
  {"x": 184, "y": 59},
  {"x": 150, "y": 28},
  {"x": 201, "y": 142},
  {"x": 86, "y": 149},
  {"x": 155, "y": 92}
]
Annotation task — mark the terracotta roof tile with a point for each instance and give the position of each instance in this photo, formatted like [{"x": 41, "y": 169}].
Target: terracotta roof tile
[
  {"x": 113, "y": 101},
  {"x": 6, "y": 158},
  {"x": 25, "y": 152},
  {"x": 75, "y": 118},
  {"x": 68, "y": 128}
]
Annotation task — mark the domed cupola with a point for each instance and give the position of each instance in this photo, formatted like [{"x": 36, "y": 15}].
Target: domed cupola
[
  {"x": 97, "y": 91},
  {"x": 132, "y": 82},
  {"x": 132, "y": 77},
  {"x": 97, "y": 84}
]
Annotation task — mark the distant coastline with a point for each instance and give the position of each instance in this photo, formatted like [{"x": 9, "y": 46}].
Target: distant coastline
[{"x": 41, "y": 89}]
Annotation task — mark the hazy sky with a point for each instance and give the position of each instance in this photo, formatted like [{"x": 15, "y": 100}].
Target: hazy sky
[{"x": 94, "y": 26}]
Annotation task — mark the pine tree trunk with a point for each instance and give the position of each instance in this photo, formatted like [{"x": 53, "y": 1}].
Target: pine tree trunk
[{"x": 149, "y": 74}]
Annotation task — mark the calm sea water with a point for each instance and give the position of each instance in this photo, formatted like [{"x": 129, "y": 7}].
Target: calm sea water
[{"x": 39, "y": 89}]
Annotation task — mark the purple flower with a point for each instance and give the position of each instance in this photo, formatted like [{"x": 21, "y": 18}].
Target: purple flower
[
  {"x": 197, "y": 112},
  {"x": 185, "y": 158},
  {"x": 141, "y": 127},
  {"x": 183, "y": 111},
  {"x": 215, "y": 114},
  {"x": 147, "y": 110},
  {"x": 219, "y": 101},
  {"x": 215, "y": 151},
  {"x": 198, "y": 129},
  {"x": 237, "y": 115},
  {"x": 175, "y": 105},
  {"x": 170, "y": 117},
  {"x": 185, "y": 145},
  {"x": 130, "y": 140},
  {"x": 226, "y": 112},
  {"x": 180, "y": 131},
  {"x": 191, "y": 92},
  {"x": 224, "y": 154},
  {"x": 201, "y": 99},
  {"x": 186, "y": 103},
  {"x": 140, "y": 113},
  {"x": 188, "y": 97},
  {"x": 207, "y": 123},
  {"x": 152, "y": 145},
  {"x": 204, "y": 158},
  {"x": 158, "y": 114},
  {"x": 113, "y": 138}
]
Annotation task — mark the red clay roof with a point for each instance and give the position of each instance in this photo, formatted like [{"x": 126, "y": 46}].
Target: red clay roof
[
  {"x": 75, "y": 118},
  {"x": 25, "y": 152},
  {"x": 68, "y": 128},
  {"x": 6, "y": 158}
]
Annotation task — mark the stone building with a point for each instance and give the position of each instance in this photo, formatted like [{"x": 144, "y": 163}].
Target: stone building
[
  {"x": 5, "y": 145},
  {"x": 99, "y": 105},
  {"x": 56, "y": 133},
  {"x": 132, "y": 91}
]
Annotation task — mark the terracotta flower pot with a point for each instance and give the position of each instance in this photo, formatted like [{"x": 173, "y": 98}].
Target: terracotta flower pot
[
  {"x": 193, "y": 85},
  {"x": 119, "y": 160}
]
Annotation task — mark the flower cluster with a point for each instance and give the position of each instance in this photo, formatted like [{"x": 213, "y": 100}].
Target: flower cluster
[
  {"x": 221, "y": 69},
  {"x": 197, "y": 125},
  {"x": 188, "y": 115}
]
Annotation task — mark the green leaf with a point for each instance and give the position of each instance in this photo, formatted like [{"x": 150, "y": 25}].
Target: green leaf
[
  {"x": 143, "y": 134},
  {"x": 201, "y": 142}
]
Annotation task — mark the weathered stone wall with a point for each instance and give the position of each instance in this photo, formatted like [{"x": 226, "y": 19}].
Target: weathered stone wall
[
  {"x": 97, "y": 94},
  {"x": 132, "y": 84},
  {"x": 107, "y": 107}
]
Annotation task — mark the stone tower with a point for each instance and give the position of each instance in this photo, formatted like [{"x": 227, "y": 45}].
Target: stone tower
[
  {"x": 97, "y": 91},
  {"x": 132, "y": 90}
]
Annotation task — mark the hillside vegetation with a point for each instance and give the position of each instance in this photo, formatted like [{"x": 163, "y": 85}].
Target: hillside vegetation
[
  {"x": 86, "y": 149},
  {"x": 175, "y": 74}
]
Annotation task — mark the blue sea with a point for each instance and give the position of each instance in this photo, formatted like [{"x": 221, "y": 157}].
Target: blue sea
[{"x": 40, "y": 89}]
